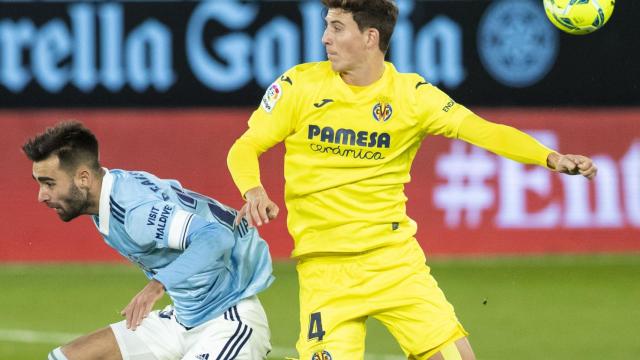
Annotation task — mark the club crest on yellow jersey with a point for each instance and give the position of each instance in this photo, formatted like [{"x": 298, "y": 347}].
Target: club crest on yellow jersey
[
  {"x": 382, "y": 111},
  {"x": 321, "y": 355}
]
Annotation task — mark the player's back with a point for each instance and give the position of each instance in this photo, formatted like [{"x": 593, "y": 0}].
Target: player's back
[{"x": 152, "y": 222}]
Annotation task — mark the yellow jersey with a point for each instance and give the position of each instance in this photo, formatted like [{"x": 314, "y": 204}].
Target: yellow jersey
[{"x": 349, "y": 151}]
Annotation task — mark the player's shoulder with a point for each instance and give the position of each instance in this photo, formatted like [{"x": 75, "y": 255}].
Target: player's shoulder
[
  {"x": 296, "y": 83},
  {"x": 129, "y": 178},
  {"x": 407, "y": 80},
  {"x": 132, "y": 188},
  {"x": 306, "y": 73},
  {"x": 311, "y": 68}
]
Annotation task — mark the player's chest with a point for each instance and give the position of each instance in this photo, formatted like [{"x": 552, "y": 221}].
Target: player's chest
[
  {"x": 379, "y": 122},
  {"x": 136, "y": 251}
]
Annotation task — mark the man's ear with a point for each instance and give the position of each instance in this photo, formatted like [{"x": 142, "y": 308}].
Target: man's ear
[
  {"x": 373, "y": 37},
  {"x": 83, "y": 177}
]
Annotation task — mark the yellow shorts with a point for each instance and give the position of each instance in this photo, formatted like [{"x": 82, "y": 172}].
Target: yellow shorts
[{"x": 392, "y": 284}]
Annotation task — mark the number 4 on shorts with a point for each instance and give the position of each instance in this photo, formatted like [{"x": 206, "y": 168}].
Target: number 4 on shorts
[{"x": 315, "y": 327}]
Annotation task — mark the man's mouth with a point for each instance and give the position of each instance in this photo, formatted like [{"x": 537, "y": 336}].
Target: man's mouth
[{"x": 58, "y": 209}]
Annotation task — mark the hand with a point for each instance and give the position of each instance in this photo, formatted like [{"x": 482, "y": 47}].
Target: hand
[
  {"x": 573, "y": 165},
  {"x": 141, "y": 304},
  {"x": 258, "y": 209}
]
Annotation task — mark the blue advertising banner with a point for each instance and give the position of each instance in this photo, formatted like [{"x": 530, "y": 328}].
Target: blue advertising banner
[{"x": 225, "y": 53}]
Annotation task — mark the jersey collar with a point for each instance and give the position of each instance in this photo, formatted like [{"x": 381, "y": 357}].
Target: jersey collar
[
  {"x": 105, "y": 194},
  {"x": 364, "y": 92}
]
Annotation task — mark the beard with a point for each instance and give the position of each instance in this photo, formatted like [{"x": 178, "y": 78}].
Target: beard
[{"x": 75, "y": 204}]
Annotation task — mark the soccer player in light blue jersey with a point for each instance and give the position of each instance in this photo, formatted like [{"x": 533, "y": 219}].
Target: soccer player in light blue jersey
[{"x": 186, "y": 244}]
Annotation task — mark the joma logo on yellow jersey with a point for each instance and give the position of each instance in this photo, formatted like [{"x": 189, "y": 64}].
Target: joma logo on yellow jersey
[{"x": 349, "y": 136}]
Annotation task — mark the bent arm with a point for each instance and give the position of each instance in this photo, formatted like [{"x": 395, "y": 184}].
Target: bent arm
[
  {"x": 243, "y": 164},
  {"x": 203, "y": 245},
  {"x": 245, "y": 171},
  {"x": 206, "y": 243},
  {"x": 268, "y": 125}
]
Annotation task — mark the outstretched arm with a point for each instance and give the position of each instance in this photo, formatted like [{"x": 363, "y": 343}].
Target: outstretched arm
[{"x": 516, "y": 145}]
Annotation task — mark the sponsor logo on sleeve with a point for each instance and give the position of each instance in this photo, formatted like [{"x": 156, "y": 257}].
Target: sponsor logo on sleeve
[
  {"x": 271, "y": 97},
  {"x": 448, "y": 105},
  {"x": 158, "y": 218}
]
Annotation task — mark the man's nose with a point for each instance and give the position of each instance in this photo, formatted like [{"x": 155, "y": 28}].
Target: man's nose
[
  {"x": 43, "y": 195},
  {"x": 325, "y": 38}
]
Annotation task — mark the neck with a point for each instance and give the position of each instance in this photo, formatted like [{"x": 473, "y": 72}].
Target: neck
[
  {"x": 95, "y": 192},
  {"x": 365, "y": 75}
]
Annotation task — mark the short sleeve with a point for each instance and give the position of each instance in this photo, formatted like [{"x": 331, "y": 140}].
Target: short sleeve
[{"x": 159, "y": 224}]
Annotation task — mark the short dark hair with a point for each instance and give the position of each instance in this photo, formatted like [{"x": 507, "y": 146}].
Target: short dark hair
[
  {"x": 70, "y": 141},
  {"x": 378, "y": 14}
]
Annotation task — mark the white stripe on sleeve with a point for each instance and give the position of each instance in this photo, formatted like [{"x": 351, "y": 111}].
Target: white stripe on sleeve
[{"x": 178, "y": 229}]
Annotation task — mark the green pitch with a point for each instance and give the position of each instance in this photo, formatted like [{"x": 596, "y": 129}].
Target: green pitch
[{"x": 564, "y": 307}]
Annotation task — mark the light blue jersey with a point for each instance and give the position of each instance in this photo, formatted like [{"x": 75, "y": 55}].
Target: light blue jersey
[{"x": 186, "y": 241}]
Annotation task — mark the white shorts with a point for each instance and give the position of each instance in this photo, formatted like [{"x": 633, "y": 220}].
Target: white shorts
[{"x": 242, "y": 332}]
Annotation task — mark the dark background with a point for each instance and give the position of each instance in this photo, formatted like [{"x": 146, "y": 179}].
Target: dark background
[{"x": 593, "y": 70}]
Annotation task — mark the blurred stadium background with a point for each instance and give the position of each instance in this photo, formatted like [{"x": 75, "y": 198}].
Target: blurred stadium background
[{"x": 539, "y": 266}]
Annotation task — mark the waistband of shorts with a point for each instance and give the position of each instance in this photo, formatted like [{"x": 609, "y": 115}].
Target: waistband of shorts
[
  {"x": 334, "y": 257},
  {"x": 249, "y": 298}
]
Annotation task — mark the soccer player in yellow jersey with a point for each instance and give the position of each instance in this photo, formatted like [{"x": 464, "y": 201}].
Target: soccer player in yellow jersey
[{"x": 352, "y": 126}]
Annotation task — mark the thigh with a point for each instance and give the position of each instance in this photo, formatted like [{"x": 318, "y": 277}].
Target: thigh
[
  {"x": 418, "y": 314},
  {"x": 342, "y": 338},
  {"x": 159, "y": 337},
  {"x": 332, "y": 315},
  {"x": 241, "y": 333},
  {"x": 100, "y": 344}
]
